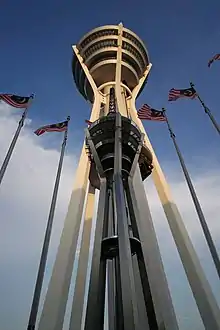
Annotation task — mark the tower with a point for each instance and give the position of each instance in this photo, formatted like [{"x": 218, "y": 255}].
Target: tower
[{"x": 110, "y": 68}]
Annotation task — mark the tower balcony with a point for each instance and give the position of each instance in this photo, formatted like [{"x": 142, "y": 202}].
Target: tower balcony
[
  {"x": 99, "y": 50},
  {"x": 102, "y": 134}
]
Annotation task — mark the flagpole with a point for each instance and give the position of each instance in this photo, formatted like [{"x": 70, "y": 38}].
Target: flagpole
[
  {"x": 14, "y": 140},
  {"x": 44, "y": 253},
  {"x": 207, "y": 110},
  {"x": 201, "y": 216}
]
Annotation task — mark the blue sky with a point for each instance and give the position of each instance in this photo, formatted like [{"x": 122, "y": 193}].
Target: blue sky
[{"x": 36, "y": 39}]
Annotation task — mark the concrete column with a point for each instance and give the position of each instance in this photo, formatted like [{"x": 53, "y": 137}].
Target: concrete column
[
  {"x": 154, "y": 266},
  {"x": 142, "y": 312},
  {"x": 53, "y": 312},
  {"x": 118, "y": 88},
  {"x": 78, "y": 298},
  {"x": 107, "y": 93}
]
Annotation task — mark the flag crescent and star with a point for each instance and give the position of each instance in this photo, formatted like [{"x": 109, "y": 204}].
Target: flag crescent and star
[
  {"x": 15, "y": 101},
  {"x": 188, "y": 92}
]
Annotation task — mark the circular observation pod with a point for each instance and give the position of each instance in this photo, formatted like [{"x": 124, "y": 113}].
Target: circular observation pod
[
  {"x": 99, "y": 49},
  {"x": 102, "y": 134}
]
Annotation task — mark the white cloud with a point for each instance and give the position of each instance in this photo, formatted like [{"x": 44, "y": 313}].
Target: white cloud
[{"x": 25, "y": 196}]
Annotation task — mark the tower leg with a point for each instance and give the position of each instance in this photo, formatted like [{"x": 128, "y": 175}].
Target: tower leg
[
  {"x": 142, "y": 313},
  {"x": 151, "y": 253},
  {"x": 129, "y": 301},
  {"x": 111, "y": 271},
  {"x": 52, "y": 316},
  {"x": 200, "y": 287},
  {"x": 111, "y": 295},
  {"x": 79, "y": 292},
  {"x": 106, "y": 92},
  {"x": 96, "y": 296}
]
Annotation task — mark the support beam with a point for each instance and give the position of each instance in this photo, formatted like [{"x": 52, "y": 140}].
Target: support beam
[
  {"x": 142, "y": 312},
  {"x": 118, "y": 88},
  {"x": 111, "y": 271},
  {"x": 129, "y": 301},
  {"x": 85, "y": 69},
  {"x": 107, "y": 94},
  {"x": 153, "y": 262},
  {"x": 94, "y": 153},
  {"x": 96, "y": 296},
  {"x": 137, "y": 89},
  {"x": 136, "y": 158},
  {"x": 52, "y": 316},
  {"x": 97, "y": 94},
  {"x": 78, "y": 298}
]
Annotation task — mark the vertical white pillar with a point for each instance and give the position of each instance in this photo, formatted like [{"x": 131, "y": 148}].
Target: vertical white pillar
[
  {"x": 52, "y": 316},
  {"x": 79, "y": 293},
  {"x": 156, "y": 274},
  {"x": 118, "y": 88},
  {"x": 155, "y": 270},
  {"x": 107, "y": 94}
]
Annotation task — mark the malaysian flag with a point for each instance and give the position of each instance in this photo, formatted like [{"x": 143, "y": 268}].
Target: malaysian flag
[
  {"x": 175, "y": 94},
  {"x": 214, "y": 58},
  {"x": 148, "y": 113},
  {"x": 15, "y": 100},
  {"x": 59, "y": 127}
]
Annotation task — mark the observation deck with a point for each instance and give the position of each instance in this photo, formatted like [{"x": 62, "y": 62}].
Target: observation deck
[
  {"x": 102, "y": 134},
  {"x": 100, "y": 49}
]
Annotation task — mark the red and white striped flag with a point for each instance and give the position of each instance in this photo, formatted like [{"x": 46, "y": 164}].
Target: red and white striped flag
[
  {"x": 148, "y": 113},
  {"x": 59, "y": 127},
  {"x": 15, "y": 100},
  {"x": 175, "y": 94}
]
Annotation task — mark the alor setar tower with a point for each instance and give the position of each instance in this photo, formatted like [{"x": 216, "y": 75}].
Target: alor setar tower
[{"x": 127, "y": 288}]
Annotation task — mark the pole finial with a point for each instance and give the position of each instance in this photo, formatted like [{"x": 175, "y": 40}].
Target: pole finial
[
  {"x": 191, "y": 84},
  {"x": 68, "y": 118},
  {"x": 164, "y": 112}
]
